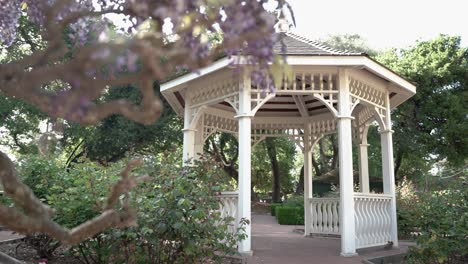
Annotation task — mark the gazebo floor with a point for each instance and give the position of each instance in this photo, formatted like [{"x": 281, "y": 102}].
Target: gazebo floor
[{"x": 273, "y": 243}]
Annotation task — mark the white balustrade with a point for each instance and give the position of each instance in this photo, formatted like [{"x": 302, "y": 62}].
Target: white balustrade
[
  {"x": 325, "y": 218},
  {"x": 228, "y": 207},
  {"x": 373, "y": 222},
  {"x": 372, "y": 218}
]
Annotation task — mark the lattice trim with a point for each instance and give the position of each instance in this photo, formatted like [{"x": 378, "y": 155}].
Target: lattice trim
[
  {"x": 215, "y": 92},
  {"x": 233, "y": 101},
  {"x": 220, "y": 123},
  {"x": 367, "y": 93},
  {"x": 255, "y": 139}
]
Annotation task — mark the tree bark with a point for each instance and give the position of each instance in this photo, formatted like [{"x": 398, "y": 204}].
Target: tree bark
[
  {"x": 271, "y": 150},
  {"x": 300, "y": 184},
  {"x": 398, "y": 161},
  {"x": 30, "y": 215}
]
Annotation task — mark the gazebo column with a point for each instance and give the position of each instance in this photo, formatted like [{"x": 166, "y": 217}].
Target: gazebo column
[
  {"x": 308, "y": 146},
  {"x": 386, "y": 141},
  {"x": 199, "y": 142},
  {"x": 244, "y": 118},
  {"x": 189, "y": 136},
  {"x": 347, "y": 225},
  {"x": 363, "y": 162}
]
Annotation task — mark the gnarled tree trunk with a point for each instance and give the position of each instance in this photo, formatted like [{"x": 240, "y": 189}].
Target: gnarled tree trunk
[{"x": 271, "y": 150}]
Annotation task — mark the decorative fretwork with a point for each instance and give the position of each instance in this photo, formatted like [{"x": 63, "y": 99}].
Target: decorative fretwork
[
  {"x": 214, "y": 92},
  {"x": 295, "y": 131},
  {"x": 381, "y": 116},
  {"x": 370, "y": 113},
  {"x": 195, "y": 114},
  {"x": 207, "y": 132},
  {"x": 365, "y": 116},
  {"x": 259, "y": 98},
  {"x": 354, "y": 102},
  {"x": 367, "y": 93},
  {"x": 323, "y": 127},
  {"x": 257, "y": 139},
  {"x": 322, "y": 85},
  {"x": 213, "y": 123},
  {"x": 233, "y": 100},
  {"x": 360, "y": 133}
]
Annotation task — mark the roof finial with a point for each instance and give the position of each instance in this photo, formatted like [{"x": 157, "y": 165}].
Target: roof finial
[{"x": 282, "y": 26}]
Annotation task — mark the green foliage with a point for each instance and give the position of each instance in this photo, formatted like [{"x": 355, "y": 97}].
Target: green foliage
[
  {"x": 262, "y": 176},
  {"x": 295, "y": 201},
  {"x": 290, "y": 215},
  {"x": 349, "y": 42},
  {"x": 432, "y": 125},
  {"x": 40, "y": 174},
  {"x": 117, "y": 137},
  {"x": 273, "y": 208},
  {"x": 439, "y": 222},
  {"x": 178, "y": 220},
  {"x": 20, "y": 121},
  {"x": 406, "y": 196}
]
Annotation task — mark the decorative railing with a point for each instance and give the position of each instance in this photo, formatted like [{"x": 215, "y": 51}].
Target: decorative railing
[
  {"x": 325, "y": 218},
  {"x": 372, "y": 219},
  {"x": 228, "y": 207}
]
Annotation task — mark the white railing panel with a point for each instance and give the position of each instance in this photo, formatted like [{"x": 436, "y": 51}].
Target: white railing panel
[
  {"x": 228, "y": 207},
  {"x": 372, "y": 217},
  {"x": 325, "y": 215}
]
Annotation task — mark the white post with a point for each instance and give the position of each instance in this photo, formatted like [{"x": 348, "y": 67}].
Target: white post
[
  {"x": 347, "y": 225},
  {"x": 308, "y": 146},
  {"x": 364, "y": 162},
  {"x": 199, "y": 142},
  {"x": 386, "y": 141},
  {"x": 189, "y": 135},
  {"x": 244, "y": 118}
]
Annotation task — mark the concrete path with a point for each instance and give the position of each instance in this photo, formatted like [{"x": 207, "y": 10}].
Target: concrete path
[
  {"x": 278, "y": 244},
  {"x": 6, "y": 236}
]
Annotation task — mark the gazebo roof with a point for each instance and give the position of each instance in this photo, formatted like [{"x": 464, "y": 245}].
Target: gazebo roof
[
  {"x": 297, "y": 45},
  {"x": 312, "y": 63}
]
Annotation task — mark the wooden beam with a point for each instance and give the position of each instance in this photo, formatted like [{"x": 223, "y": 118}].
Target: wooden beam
[{"x": 299, "y": 100}]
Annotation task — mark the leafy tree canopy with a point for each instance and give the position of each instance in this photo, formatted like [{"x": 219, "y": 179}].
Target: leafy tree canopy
[{"x": 432, "y": 125}]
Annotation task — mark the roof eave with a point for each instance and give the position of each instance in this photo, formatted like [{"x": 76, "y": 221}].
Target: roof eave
[{"x": 179, "y": 82}]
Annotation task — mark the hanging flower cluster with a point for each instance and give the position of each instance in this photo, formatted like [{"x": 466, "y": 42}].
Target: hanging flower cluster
[{"x": 83, "y": 53}]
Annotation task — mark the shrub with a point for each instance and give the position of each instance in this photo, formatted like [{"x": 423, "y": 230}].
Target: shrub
[
  {"x": 288, "y": 215},
  {"x": 441, "y": 217},
  {"x": 273, "y": 208},
  {"x": 178, "y": 220},
  {"x": 437, "y": 220},
  {"x": 406, "y": 199},
  {"x": 295, "y": 201}
]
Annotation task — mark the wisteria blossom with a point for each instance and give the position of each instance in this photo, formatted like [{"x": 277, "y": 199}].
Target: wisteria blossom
[{"x": 82, "y": 53}]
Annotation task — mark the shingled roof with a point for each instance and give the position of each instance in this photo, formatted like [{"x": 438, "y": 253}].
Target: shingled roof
[{"x": 297, "y": 45}]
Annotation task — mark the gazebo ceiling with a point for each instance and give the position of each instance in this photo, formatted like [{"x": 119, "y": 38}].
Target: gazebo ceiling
[{"x": 315, "y": 67}]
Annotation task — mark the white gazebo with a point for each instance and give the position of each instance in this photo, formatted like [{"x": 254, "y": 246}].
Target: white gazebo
[{"x": 331, "y": 92}]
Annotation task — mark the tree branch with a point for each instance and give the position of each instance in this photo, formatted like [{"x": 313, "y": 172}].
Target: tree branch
[{"x": 37, "y": 217}]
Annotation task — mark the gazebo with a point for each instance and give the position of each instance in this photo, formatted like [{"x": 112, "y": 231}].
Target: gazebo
[{"x": 331, "y": 92}]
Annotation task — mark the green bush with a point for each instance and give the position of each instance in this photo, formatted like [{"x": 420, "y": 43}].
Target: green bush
[
  {"x": 442, "y": 220},
  {"x": 273, "y": 208},
  {"x": 288, "y": 215},
  {"x": 295, "y": 201},
  {"x": 177, "y": 217},
  {"x": 438, "y": 221}
]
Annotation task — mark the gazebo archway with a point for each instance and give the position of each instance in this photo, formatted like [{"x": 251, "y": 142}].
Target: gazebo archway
[{"x": 332, "y": 92}]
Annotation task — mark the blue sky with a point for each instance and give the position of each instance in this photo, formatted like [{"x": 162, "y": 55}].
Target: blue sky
[{"x": 383, "y": 23}]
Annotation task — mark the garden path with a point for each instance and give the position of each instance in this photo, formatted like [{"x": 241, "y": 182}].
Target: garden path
[
  {"x": 279, "y": 244},
  {"x": 6, "y": 236}
]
